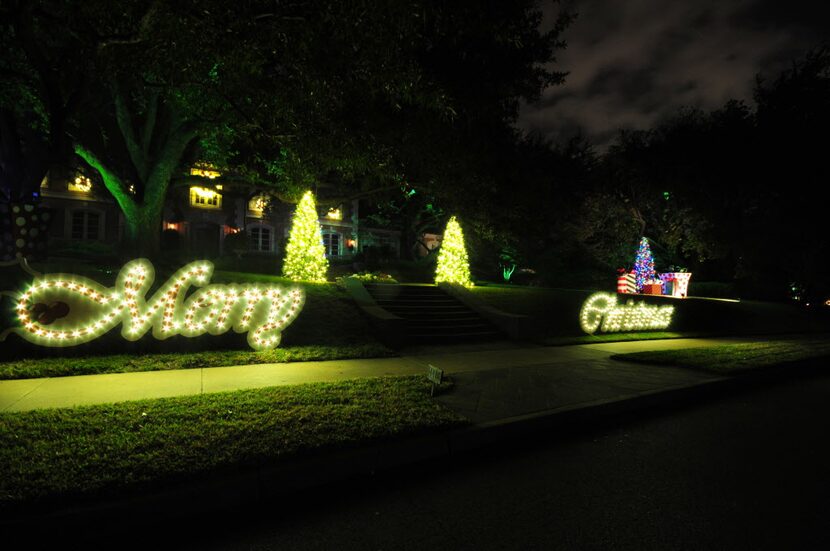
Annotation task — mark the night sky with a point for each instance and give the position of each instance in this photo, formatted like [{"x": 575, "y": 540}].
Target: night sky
[{"x": 632, "y": 62}]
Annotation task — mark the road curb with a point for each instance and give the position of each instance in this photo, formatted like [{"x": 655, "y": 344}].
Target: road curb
[{"x": 243, "y": 487}]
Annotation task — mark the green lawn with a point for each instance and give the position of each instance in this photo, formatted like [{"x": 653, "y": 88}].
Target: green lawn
[
  {"x": 617, "y": 337},
  {"x": 26, "y": 368},
  {"x": 88, "y": 452},
  {"x": 329, "y": 317},
  {"x": 736, "y": 358}
]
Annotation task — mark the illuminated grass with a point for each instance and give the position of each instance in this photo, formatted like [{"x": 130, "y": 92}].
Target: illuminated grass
[
  {"x": 618, "y": 337},
  {"x": 735, "y": 358},
  {"x": 89, "y": 452},
  {"x": 126, "y": 363}
]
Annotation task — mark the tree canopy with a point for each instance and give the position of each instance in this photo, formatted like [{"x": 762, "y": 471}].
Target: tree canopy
[{"x": 351, "y": 96}]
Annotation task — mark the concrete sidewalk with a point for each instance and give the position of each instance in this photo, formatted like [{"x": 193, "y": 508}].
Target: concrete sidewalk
[{"x": 493, "y": 381}]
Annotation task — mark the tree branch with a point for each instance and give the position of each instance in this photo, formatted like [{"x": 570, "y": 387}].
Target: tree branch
[
  {"x": 167, "y": 161},
  {"x": 338, "y": 200},
  {"x": 150, "y": 123},
  {"x": 125, "y": 125},
  {"x": 112, "y": 181},
  {"x": 137, "y": 37}
]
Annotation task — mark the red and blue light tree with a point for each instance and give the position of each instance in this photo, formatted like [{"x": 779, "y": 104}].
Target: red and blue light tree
[{"x": 643, "y": 264}]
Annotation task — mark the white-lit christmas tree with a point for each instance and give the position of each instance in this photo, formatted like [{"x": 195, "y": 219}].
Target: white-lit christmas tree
[
  {"x": 643, "y": 264},
  {"x": 453, "y": 263},
  {"x": 305, "y": 255}
]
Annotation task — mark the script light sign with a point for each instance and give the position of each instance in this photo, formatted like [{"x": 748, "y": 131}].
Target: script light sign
[
  {"x": 601, "y": 312},
  {"x": 67, "y": 310}
]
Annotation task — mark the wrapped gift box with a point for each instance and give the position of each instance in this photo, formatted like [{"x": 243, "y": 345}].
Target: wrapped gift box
[
  {"x": 627, "y": 283},
  {"x": 652, "y": 288},
  {"x": 679, "y": 281}
]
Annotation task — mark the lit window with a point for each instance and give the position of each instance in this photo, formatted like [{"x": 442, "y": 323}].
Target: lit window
[
  {"x": 81, "y": 184},
  {"x": 260, "y": 239},
  {"x": 331, "y": 241},
  {"x": 85, "y": 225},
  {"x": 334, "y": 214},
  {"x": 205, "y": 198},
  {"x": 258, "y": 204},
  {"x": 204, "y": 172}
]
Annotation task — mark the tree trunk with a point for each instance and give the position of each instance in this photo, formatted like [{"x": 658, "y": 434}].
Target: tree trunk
[
  {"x": 143, "y": 234},
  {"x": 144, "y": 214}
]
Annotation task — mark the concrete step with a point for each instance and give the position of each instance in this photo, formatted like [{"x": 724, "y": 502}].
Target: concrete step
[
  {"x": 396, "y": 290},
  {"x": 416, "y": 301},
  {"x": 431, "y": 315},
  {"x": 444, "y": 322},
  {"x": 426, "y": 338},
  {"x": 440, "y": 307},
  {"x": 449, "y": 324},
  {"x": 427, "y": 315}
]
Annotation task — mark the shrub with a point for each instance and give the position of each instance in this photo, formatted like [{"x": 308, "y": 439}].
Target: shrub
[{"x": 370, "y": 277}]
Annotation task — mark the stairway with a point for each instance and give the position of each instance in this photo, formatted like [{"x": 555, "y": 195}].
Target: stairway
[{"x": 431, "y": 315}]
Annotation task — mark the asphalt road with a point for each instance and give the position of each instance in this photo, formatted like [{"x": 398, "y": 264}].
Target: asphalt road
[{"x": 747, "y": 471}]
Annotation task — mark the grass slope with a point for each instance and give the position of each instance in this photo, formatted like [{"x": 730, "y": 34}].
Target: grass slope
[
  {"x": 85, "y": 452},
  {"x": 329, "y": 317},
  {"x": 735, "y": 358}
]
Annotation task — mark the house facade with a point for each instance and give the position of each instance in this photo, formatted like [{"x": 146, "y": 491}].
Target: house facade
[{"x": 200, "y": 215}]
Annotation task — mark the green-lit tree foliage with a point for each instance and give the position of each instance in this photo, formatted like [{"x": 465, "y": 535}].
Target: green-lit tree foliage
[{"x": 305, "y": 255}]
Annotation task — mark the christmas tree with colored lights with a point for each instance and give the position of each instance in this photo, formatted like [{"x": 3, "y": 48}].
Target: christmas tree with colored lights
[
  {"x": 305, "y": 255},
  {"x": 453, "y": 264},
  {"x": 643, "y": 264}
]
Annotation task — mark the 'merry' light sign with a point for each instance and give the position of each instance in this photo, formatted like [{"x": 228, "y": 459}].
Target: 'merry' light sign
[
  {"x": 67, "y": 310},
  {"x": 602, "y": 312}
]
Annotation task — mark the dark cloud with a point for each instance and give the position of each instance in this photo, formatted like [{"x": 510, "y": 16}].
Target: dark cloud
[{"x": 632, "y": 62}]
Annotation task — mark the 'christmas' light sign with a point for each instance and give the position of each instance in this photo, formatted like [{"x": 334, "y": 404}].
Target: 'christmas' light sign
[
  {"x": 602, "y": 312},
  {"x": 67, "y": 310}
]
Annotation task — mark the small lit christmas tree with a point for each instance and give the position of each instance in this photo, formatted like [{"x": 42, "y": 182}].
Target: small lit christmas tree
[
  {"x": 453, "y": 264},
  {"x": 305, "y": 255},
  {"x": 643, "y": 264}
]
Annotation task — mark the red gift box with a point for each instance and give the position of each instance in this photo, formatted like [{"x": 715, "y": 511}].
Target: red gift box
[
  {"x": 652, "y": 288},
  {"x": 627, "y": 283}
]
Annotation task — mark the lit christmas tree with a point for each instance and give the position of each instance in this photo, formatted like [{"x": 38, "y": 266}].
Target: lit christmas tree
[
  {"x": 453, "y": 264},
  {"x": 305, "y": 255},
  {"x": 643, "y": 264}
]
